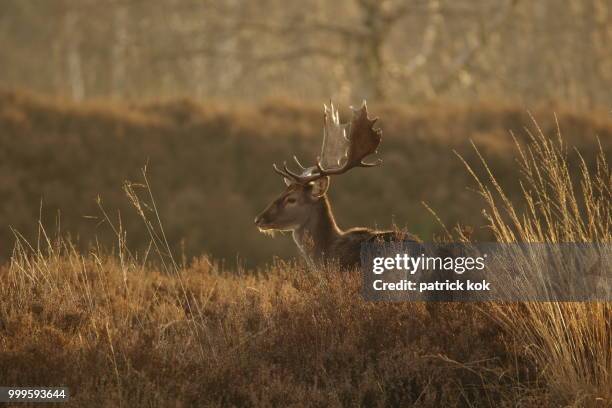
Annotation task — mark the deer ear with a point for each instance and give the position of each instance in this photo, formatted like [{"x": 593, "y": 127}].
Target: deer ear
[
  {"x": 287, "y": 181},
  {"x": 319, "y": 187}
]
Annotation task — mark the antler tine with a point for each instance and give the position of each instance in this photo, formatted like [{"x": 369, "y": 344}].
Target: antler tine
[
  {"x": 281, "y": 172},
  {"x": 298, "y": 163},
  {"x": 377, "y": 162},
  {"x": 294, "y": 175},
  {"x": 285, "y": 172},
  {"x": 298, "y": 178}
]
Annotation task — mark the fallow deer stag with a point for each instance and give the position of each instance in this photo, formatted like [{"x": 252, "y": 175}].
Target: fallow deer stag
[{"x": 304, "y": 209}]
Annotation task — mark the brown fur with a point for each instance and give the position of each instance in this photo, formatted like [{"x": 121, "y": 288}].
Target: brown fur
[{"x": 315, "y": 230}]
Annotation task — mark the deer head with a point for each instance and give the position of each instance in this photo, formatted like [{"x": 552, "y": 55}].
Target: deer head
[{"x": 344, "y": 146}]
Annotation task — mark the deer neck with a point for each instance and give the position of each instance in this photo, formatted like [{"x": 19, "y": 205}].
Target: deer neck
[{"x": 315, "y": 237}]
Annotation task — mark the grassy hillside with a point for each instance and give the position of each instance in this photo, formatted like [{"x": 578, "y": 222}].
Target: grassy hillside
[
  {"x": 280, "y": 338},
  {"x": 210, "y": 167}
]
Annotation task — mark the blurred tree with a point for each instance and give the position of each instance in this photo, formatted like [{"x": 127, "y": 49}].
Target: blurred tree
[
  {"x": 396, "y": 50},
  {"x": 119, "y": 50}
]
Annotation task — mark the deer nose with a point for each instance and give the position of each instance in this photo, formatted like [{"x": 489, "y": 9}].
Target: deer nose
[{"x": 258, "y": 220}]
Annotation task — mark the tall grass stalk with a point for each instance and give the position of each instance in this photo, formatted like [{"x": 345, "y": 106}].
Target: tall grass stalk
[{"x": 570, "y": 342}]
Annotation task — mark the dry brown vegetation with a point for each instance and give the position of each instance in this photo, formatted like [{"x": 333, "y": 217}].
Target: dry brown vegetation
[
  {"x": 210, "y": 167},
  {"x": 118, "y": 332},
  {"x": 278, "y": 338},
  {"x": 570, "y": 342}
]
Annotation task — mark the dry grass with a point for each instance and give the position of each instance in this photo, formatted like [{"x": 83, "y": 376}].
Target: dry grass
[
  {"x": 570, "y": 342},
  {"x": 120, "y": 334}
]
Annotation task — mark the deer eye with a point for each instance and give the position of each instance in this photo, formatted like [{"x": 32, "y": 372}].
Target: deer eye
[{"x": 290, "y": 200}]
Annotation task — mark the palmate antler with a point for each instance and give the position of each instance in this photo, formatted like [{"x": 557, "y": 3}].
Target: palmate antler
[{"x": 340, "y": 151}]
